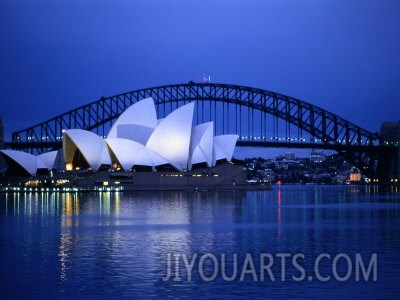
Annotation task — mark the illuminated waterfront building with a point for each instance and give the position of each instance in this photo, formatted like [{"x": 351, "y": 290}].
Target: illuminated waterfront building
[{"x": 137, "y": 138}]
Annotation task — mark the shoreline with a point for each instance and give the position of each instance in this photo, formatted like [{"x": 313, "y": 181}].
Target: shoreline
[{"x": 133, "y": 188}]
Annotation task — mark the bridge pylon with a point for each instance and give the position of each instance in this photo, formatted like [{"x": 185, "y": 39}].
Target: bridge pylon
[{"x": 388, "y": 168}]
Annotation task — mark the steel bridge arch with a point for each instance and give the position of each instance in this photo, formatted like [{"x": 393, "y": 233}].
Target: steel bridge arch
[{"x": 356, "y": 144}]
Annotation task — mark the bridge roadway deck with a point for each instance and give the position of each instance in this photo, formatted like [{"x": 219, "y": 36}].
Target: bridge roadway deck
[{"x": 254, "y": 143}]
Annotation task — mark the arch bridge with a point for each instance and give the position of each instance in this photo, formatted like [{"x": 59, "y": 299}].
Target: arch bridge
[{"x": 259, "y": 117}]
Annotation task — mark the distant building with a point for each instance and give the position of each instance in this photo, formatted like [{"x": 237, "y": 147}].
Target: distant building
[
  {"x": 355, "y": 175},
  {"x": 290, "y": 156},
  {"x": 390, "y": 131},
  {"x": 3, "y": 164},
  {"x": 317, "y": 156},
  {"x": 1, "y": 134}
]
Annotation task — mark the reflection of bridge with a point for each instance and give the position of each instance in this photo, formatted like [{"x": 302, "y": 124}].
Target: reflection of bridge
[{"x": 259, "y": 117}]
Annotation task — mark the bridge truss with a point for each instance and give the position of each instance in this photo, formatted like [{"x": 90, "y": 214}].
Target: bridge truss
[{"x": 259, "y": 117}]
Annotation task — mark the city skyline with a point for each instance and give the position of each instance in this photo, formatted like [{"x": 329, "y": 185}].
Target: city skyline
[{"x": 342, "y": 56}]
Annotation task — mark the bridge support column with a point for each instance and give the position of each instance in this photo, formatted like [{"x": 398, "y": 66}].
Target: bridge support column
[
  {"x": 1, "y": 134},
  {"x": 388, "y": 165},
  {"x": 389, "y": 162}
]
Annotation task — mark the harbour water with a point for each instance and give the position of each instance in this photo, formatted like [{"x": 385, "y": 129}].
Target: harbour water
[{"x": 295, "y": 241}]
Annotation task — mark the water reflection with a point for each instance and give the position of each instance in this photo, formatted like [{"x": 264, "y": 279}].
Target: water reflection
[
  {"x": 278, "y": 236},
  {"x": 115, "y": 244}
]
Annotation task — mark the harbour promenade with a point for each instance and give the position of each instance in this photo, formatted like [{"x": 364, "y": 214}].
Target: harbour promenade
[{"x": 223, "y": 177}]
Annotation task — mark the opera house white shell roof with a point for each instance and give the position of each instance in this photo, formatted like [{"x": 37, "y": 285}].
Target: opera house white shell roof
[
  {"x": 224, "y": 145},
  {"x": 138, "y": 138},
  {"x": 136, "y": 123},
  {"x": 201, "y": 144},
  {"x": 171, "y": 138},
  {"x": 129, "y": 153},
  {"x": 29, "y": 162},
  {"x": 89, "y": 144}
]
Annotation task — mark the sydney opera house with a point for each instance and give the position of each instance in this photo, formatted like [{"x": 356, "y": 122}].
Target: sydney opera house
[{"x": 136, "y": 139}]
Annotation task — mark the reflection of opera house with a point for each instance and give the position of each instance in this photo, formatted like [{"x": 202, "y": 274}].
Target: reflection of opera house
[{"x": 138, "y": 141}]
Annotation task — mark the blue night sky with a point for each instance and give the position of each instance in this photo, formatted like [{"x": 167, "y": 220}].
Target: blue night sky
[{"x": 341, "y": 55}]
